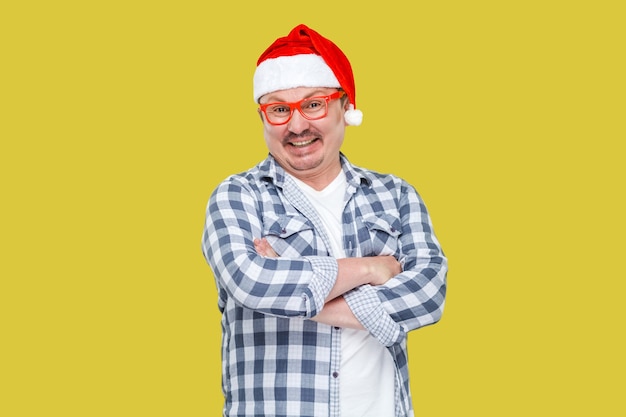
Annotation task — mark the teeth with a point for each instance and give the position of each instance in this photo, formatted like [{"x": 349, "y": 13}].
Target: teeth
[{"x": 299, "y": 144}]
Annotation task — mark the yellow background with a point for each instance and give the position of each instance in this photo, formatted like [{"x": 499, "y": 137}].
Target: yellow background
[{"x": 118, "y": 119}]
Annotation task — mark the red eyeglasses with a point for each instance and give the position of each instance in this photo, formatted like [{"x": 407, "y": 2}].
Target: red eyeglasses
[{"x": 311, "y": 108}]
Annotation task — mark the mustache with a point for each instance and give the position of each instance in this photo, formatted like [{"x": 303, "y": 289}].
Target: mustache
[{"x": 305, "y": 134}]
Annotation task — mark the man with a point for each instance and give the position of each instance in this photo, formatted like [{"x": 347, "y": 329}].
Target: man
[{"x": 322, "y": 267}]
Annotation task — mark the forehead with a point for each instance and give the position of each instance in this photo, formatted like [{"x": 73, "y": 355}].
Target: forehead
[{"x": 295, "y": 94}]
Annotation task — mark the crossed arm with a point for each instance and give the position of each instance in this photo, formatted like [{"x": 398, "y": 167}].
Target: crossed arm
[
  {"x": 352, "y": 272},
  {"x": 328, "y": 290}
]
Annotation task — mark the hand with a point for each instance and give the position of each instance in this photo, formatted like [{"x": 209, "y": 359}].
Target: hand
[
  {"x": 263, "y": 248},
  {"x": 373, "y": 270},
  {"x": 382, "y": 268}
]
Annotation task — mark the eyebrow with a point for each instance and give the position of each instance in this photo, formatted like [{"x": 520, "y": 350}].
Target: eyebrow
[{"x": 315, "y": 93}]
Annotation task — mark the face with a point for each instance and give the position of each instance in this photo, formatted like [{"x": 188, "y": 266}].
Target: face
[{"x": 307, "y": 149}]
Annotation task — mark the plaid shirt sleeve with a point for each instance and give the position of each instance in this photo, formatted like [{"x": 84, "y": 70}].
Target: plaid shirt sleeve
[
  {"x": 416, "y": 297},
  {"x": 283, "y": 287}
]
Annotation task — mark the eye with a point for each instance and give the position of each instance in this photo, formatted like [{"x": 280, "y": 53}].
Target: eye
[
  {"x": 279, "y": 109},
  {"x": 313, "y": 104}
]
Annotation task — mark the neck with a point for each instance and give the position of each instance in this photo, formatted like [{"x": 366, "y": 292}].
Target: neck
[{"x": 318, "y": 181}]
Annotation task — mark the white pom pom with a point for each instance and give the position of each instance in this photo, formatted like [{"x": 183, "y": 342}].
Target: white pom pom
[{"x": 353, "y": 116}]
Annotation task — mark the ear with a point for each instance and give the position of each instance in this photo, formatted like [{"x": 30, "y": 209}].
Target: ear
[
  {"x": 346, "y": 102},
  {"x": 260, "y": 114}
]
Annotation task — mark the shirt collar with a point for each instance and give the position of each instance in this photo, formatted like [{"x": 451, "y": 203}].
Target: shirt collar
[{"x": 271, "y": 171}]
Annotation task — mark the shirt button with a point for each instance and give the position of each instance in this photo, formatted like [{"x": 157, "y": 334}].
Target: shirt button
[{"x": 335, "y": 374}]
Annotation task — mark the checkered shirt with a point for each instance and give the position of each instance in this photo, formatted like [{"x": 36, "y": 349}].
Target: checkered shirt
[{"x": 275, "y": 361}]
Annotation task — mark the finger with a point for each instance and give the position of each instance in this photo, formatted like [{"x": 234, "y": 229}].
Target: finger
[
  {"x": 259, "y": 247},
  {"x": 265, "y": 249}
]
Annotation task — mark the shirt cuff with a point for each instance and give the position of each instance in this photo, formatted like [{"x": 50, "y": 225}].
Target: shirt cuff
[
  {"x": 368, "y": 309},
  {"x": 325, "y": 270}
]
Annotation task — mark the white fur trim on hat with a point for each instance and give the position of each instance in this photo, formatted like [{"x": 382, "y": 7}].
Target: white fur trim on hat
[{"x": 284, "y": 72}]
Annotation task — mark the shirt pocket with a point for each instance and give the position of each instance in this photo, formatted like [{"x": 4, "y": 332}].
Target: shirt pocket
[
  {"x": 382, "y": 236},
  {"x": 290, "y": 236}
]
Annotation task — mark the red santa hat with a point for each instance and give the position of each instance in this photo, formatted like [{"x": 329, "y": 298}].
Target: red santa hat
[{"x": 304, "y": 58}]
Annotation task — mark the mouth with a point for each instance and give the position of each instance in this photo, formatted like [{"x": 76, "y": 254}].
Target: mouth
[{"x": 303, "y": 143}]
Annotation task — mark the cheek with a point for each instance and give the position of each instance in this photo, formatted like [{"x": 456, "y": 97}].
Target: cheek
[
  {"x": 338, "y": 116},
  {"x": 273, "y": 135}
]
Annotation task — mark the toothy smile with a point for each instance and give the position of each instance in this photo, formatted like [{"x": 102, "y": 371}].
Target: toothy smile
[{"x": 301, "y": 144}]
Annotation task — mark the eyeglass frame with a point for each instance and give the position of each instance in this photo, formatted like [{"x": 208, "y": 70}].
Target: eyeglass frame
[{"x": 297, "y": 105}]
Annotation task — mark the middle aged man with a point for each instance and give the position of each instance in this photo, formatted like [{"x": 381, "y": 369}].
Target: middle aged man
[{"x": 322, "y": 267}]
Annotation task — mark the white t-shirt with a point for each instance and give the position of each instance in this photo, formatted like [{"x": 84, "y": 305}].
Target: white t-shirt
[{"x": 367, "y": 373}]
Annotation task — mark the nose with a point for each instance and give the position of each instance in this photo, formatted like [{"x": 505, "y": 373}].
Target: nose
[{"x": 298, "y": 123}]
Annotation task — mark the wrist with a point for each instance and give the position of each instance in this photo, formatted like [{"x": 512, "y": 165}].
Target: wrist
[{"x": 368, "y": 270}]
